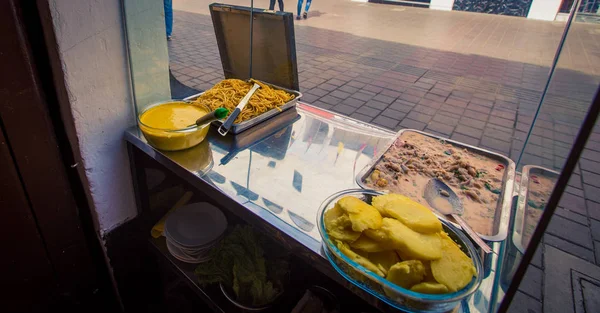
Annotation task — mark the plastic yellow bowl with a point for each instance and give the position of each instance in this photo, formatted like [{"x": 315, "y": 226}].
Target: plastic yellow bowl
[{"x": 165, "y": 124}]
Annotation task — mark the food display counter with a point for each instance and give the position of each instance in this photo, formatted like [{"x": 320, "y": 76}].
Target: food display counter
[{"x": 276, "y": 177}]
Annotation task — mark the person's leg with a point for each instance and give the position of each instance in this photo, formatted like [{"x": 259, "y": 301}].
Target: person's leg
[
  {"x": 169, "y": 17},
  {"x": 280, "y": 5},
  {"x": 307, "y": 5},
  {"x": 272, "y": 5},
  {"x": 299, "y": 8}
]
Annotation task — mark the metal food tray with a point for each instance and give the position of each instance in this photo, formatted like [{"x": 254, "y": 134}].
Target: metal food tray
[
  {"x": 522, "y": 206},
  {"x": 240, "y": 127},
  {"x": 502, "y": 217}
]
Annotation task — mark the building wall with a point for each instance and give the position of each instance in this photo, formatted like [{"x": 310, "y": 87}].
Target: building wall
[{"x": 91, "y": 40}]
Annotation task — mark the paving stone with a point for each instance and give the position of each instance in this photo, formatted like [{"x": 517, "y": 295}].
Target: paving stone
[
  {"x": 538, "y": 256},
  {"x": 595, "y": 228},
  {"x": 457, "y": 102},
  {"x": 592, "y": 193},
  {"x": 506, "y": 114},
  {"x": 397, "y": 115},
  {"x": 336, "y": 82},
  {"x": 369, "y": 111},
  {"x": 447, "y": 120},
  {"x": 424, "y": 109},
  {"x": 309, "y": 98},
  {"x": 353, "y": 102},
  {"x": 348, "y": 89},
  {"x": 431, "y": 103},
  {"x": 591, "y": 178},
  {"x": 328, "y": 87},
  {"x": 593, "y": 209},
  {"x": 568, "y": 247},
  {"x": 424, "y": 118},
  {"x": 386, "y": 122},
  {"x": 523, "y": 303},
  {"x": 483, "y": 102},
  {"x": 573, "y": 216},
  {"x": 339, "y": 94},
  {"x": 415, "y": 92},
  {"x": 532, "y": 283},
  {"x": 344, "y": 109},
  {"x": 435, "y": 97},
  {"x": 440, "y": 128},
  {"x": 496, "y": 145},
  {"x": 571, "y": 231},
  {"x": 479, "y": 108},
  {"x": 597, "y": 251},
  {"x": 469, "y": 131},
  {"x": 560, "y": 282},
  {"x": 590, "y": 166},
  {"x": 412, "y": 124},
  {"x": 501, "y": 121},
  {"x": 362, "y": 117},
  {"x": 376, "y": 104},
  {"x": 494, "y": 133},
  {"x": 465, "y": 139},
  {"x": 391, "y": 93},
  {"x": 402, "y": 106},
  {"x": 356, "y": 84},
  {"x": 363, "y": 96},
  {"x": 318, "y": 92},
  {"x": 590, "y": 155},
  {"x": 384, "y": 98},
  {"x": 372, "y": 88},
  {"x": 322, "y": 105},
  {"x": 440, "y": 92},
  {"x": 410, "y": 98},
  {"x": 573, "y": 203},
  {"x": 476, "y": 115},
  {"x": 330, "y": 100}
]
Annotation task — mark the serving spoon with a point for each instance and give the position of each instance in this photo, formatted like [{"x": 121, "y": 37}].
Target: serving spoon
[{"x": 443, "y": 199}]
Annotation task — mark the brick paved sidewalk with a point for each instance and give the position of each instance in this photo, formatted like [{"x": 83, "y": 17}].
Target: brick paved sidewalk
[{"x": 480, "y": 100}]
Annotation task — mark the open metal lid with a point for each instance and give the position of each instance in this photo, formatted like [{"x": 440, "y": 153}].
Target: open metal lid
[{"x": 274, "y": 44}]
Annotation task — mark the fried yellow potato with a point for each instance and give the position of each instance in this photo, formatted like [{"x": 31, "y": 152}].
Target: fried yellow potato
[
  {"x": 385, "y": 258},
  {"x": 454, "y": 269},
  {"x": 406, "y": 273},
  {"x": 377, "y": 234},
  {"x": 430, "y": 288},
  {"x": 338, "y": 225},
  {"x": 363, "y": 216},
  {"x": 345, "y": 249},
  {"x": 379, "y": 202},
  {"x": 414, "y": 215},
  {"x": 413, "y": 245},
  {"x": 367, "y": 244}
]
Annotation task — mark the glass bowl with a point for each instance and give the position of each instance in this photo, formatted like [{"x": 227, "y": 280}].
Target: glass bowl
[
  {"x": 394, "y": 295},
  {"x": 173, "y": 139}
]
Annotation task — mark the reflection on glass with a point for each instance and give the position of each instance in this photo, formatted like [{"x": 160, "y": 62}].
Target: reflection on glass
[{"x": 148, "y": 54}]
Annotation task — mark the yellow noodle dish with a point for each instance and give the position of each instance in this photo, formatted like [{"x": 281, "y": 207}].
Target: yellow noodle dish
[{"x": 166, "y": 125}]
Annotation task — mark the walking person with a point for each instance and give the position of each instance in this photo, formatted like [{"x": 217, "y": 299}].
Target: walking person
[
  {"x": 272, "y": 5},
  {"x": 169, "y": 17},
  {"x": 305, "y": 14}
]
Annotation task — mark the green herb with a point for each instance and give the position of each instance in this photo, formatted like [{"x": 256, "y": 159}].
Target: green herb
[
  {"x": 464, "y": 187},
  {"x": 489, "y": 187},
  {"x": 239, "y": 263}
]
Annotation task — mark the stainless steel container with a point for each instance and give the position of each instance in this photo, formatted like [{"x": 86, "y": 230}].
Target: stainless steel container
[
  {"x": 502, "y": 213},
  {"x": 523, "y": 201},
  {"x": 240, "y": 127}
]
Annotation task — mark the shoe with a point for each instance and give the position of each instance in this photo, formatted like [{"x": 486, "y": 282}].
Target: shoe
[
  {"x": 298, "y": 17},
  {"x": 305, "y": 15},
  {"x": 169, "y": 38}
]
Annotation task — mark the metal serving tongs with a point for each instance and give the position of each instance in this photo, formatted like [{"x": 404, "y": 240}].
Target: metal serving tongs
[{"x": 224, "y": 128}]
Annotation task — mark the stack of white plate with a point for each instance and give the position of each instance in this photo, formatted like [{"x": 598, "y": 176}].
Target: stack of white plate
[{"x": 193, "y": 230}]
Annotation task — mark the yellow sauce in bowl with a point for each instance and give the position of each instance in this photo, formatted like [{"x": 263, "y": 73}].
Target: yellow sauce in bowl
[{"x": 166, "y": 125}]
